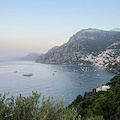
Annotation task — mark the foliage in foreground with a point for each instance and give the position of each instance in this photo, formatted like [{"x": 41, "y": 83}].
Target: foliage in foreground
[
  {"x": 106, "y": 104},
  {"x": 92, "y": 106},
  {"x": 28, "y": 108}
]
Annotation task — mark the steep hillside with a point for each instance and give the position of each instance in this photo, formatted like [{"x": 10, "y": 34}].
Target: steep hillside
[
  {"x": 83, "y": 48},
  {"x": 103, "y": 103}
]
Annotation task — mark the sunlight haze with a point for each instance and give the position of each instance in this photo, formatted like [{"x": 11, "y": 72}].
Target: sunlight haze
[{"x": 36, "y": 26}]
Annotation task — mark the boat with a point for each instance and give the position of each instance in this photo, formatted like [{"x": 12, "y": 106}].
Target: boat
[{"x": 28, "y": 74}]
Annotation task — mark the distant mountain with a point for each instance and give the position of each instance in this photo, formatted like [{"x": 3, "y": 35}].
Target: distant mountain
[
  {"x": 86, "y": 47},
  {"x": 31, "y": 56}
]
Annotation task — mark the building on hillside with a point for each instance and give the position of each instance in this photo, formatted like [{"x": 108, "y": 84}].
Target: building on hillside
[{"x": 102, "y": 88}]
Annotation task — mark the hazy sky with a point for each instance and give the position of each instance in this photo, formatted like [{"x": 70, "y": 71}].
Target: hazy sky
[{"x": 37, "y": 25}]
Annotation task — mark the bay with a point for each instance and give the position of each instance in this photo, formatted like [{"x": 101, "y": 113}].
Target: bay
[{"x": 59, "y": 81}]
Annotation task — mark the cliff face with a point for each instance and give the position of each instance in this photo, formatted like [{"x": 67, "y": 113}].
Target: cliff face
[{"x": 83, "y": 47}]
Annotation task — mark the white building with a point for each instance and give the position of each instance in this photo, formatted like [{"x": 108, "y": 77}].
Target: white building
[{"x": 102, "y": 88}]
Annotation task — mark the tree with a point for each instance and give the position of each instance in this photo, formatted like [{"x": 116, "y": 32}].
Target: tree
[
  {"x": 28, "y": 108},
  {"x": 97, "y": 109},
  {"x": 89, "y": 113}
]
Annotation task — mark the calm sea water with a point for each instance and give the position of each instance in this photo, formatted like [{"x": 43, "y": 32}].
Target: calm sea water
[{"x": 51, "y": 80}]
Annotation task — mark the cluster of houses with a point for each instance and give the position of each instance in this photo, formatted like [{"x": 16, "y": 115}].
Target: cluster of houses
[{"x": 103, "y": 59}]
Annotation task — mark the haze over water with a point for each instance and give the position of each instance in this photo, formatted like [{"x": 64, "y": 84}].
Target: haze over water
[{"x": 54, "y": 80}]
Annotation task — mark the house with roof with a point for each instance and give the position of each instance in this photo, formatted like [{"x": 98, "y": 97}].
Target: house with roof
[{"x": 102, "y": 88}]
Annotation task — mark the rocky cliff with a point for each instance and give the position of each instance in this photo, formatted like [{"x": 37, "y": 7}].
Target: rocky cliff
[{"x": 85, "y": 48}]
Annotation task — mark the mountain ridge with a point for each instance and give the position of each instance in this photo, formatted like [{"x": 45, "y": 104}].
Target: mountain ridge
[{"x": 84, "y": 48}]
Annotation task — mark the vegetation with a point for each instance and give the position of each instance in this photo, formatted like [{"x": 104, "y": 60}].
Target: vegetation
[
  {"x": 113, "y": 67},
  {"x": 92, "y": 106},
  {"x": 106, "y": 104},
  {"x": 28, "y": 108}
]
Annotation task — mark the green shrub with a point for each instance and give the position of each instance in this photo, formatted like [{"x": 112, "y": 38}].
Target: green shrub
[{"x": 28, "y": 108}]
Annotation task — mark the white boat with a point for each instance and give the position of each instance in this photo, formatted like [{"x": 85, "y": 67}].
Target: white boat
[{"x": 28, "y": 74}]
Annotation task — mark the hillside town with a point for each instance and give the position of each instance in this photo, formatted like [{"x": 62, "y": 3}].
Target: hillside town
[
  {"x": 89, "y": 47},
  {"x": 104, "y": 58}
]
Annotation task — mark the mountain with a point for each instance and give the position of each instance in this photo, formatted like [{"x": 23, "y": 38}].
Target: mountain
[
  {"x": 31, "y": 56},
  {"x": 86, "y": 47}
]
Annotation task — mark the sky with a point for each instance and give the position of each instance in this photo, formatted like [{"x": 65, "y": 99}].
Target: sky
[{"x": 28, "y": 26}]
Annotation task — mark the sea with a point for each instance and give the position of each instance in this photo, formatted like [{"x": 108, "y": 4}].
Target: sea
[{"x": 58, "y": 81}]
